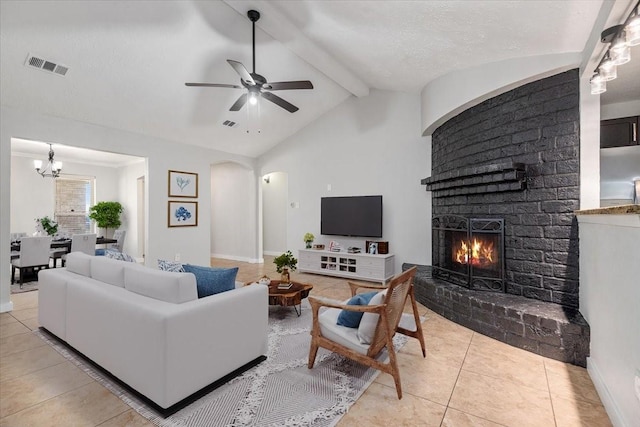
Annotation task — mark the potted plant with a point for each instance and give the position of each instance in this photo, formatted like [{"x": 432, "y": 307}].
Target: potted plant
[
  {"x": 47, "y": 225},
  {"x": 106, "y": 215},
  {"x": 308, "y": 239},
  {"x": 284, "y": 263}
]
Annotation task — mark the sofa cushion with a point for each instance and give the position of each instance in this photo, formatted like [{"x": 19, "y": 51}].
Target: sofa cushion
[
  {"x": 79, "y": 263},
  {"x": 211, "y": 280},
  {"x": 351, "y": 319},
  {"x": 162, "y": 285},
  {"x": 369, "y": 321},
  {"x": 174, "y": 266},
  {"x": 108, "y": 270}
]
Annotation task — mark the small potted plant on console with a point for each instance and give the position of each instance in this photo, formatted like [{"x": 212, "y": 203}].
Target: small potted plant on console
[
  {"x": 284, "y": 263},
  {"x": 308, "y": 239}
]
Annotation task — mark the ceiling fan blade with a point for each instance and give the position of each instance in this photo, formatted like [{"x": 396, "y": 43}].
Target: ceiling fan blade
[
  {"x": 302, "y": 84},
  {"x": 279, "y": 101},
  {"x": 239, "y": 103},
  {"x": 213, "y": 85},
  {"x": 244, "y": 74}
]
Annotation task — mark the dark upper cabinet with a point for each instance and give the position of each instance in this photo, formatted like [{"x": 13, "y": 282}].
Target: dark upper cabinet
[{"x": 619, "y": 132}]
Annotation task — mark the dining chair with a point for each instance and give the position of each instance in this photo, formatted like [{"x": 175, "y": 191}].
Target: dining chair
[
  {"x": 82, "y": 243},
  {"x": 383, "y": 317},
  {"x": 34, "y": 253},
  {"x": 118, "y": 235}
]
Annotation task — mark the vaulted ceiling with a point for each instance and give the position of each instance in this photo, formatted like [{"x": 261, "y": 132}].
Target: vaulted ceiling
[{"x": 128, "y": 60}]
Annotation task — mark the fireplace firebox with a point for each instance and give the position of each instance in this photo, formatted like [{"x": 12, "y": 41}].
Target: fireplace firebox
[{"x": 469, "y": 251}]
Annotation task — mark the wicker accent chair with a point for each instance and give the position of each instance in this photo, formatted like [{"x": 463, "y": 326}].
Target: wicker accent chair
[{"x": 390, "y": 315}]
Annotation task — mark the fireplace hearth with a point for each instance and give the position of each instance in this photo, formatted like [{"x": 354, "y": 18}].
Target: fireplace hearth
[{"x": 469, "y": 251}]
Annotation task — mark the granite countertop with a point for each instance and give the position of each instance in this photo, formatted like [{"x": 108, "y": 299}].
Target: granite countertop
[{"x": 611, "y": 210}]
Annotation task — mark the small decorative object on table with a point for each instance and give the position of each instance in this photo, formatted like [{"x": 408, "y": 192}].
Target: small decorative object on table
[
  {"x": 308, "y": 239},
  {"x": 284, "y": 263},
  {"x": 264, "y": 280}
]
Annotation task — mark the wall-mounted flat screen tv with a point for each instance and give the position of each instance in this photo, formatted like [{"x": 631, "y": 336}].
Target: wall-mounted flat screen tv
[{"x": 357, "y": 216}]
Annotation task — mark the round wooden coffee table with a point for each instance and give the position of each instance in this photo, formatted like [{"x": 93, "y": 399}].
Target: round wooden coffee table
[{"x": 289, "y": 297}]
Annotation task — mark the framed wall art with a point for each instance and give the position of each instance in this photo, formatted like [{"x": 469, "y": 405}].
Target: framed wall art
[
  {"x": 182, "y": 214},
  {"x": 183, "y": 184}
]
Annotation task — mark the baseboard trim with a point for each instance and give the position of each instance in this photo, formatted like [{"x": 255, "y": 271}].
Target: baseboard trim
[
  {"x": 164, "y": 412},
  {"x": 605, "y": 396},
  {"x": 238, "y": 258},
  {"x": 6, "y": 307}
]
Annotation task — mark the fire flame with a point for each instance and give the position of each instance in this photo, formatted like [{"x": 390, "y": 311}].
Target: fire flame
[{"x": 481, "y": 253}]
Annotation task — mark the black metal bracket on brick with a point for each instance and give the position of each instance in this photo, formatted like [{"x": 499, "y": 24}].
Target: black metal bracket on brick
[{"x": 494, "y": 178}]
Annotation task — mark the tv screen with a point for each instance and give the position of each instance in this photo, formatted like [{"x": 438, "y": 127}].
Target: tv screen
[{"x": 357, "y": 216}]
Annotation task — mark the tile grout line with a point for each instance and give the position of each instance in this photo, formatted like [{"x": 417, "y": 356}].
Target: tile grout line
[
  {"x": 457, "y": 378},
  {"x": 546, "y": 376}
]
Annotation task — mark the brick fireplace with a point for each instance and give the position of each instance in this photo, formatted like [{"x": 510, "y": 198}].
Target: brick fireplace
[{"x": 510, "y": 164}]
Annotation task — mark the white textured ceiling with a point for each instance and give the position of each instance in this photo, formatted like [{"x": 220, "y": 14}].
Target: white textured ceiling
[{"x": 129, "y": 59}]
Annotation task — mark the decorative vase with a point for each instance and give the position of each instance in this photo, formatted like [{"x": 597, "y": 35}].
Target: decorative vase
[
  {"x": 308, "y": 245},
  {"x": 284, "y": 276}
]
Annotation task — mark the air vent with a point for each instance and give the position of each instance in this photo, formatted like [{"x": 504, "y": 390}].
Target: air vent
[
  {"x": 229, "y": 123},
  {"x": 41, "y": 64}
]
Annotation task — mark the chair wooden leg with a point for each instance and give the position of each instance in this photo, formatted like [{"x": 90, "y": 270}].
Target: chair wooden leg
[
  {"x": 416, "y": 317},
  {"x": 313, "y": 351}
]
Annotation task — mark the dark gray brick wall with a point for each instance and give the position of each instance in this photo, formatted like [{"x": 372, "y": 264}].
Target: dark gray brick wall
[{"x": 536, "y": 124}]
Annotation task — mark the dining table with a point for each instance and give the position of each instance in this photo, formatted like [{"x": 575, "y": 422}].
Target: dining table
[{"x": 60, "y": 246}]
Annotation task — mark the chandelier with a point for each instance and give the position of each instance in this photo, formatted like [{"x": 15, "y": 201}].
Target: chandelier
[
  {"x": 621, "y": 38},
  {"x": 53, "y": 168}
]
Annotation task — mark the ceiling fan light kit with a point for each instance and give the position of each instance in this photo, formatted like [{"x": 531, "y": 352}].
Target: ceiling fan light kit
[
  {"x": 621, "y": 38},
  {"x": 256, "y": 85}
]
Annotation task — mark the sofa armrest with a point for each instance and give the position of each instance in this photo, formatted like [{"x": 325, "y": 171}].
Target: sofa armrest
[
  {"x": 208, "y": 338},
  {"x": 163, "y": 350}
]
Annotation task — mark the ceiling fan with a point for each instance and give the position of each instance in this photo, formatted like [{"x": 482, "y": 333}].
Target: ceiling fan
[{"x": 257, "y": 85}]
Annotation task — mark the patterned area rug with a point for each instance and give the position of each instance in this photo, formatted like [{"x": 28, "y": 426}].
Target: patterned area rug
[{"x": 280, "y": 391}]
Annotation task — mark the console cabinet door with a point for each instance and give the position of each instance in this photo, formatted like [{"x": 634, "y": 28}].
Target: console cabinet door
[{"x": 619, "y": 132}]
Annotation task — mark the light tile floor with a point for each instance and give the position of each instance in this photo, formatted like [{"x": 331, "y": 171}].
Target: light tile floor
[{"x": 466, "y": 379}]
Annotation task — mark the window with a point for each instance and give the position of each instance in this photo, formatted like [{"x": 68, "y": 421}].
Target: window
[{"x": 74, "y": 196}]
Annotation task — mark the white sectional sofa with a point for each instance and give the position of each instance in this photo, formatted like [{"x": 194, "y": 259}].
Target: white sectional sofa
[{"x": 149, "y": 329}]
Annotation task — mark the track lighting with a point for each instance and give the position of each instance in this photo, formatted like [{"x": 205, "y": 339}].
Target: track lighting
[{"x": 621, "y": 38}]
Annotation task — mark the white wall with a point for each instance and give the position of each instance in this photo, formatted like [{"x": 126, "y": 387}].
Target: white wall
[
  {"x": 33, "y": 196},
  {"x": 589, "y": 146},
  {"x": 365, "y": 146},
  {"x": 609, "y": 296},
  {"x": 194, "y": 243},
  {"x": 128, "y": 197},
  {"x": 274, "y": 213},
  {"x": 449, "y": 95},
  {"x": 234, "y": 231},
  {"x": 621, "y": 109}
]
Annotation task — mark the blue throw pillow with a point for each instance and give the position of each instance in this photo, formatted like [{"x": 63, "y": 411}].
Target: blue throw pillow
[
  {"x": 212, "y": 281},
  {"x": 351, "y": 319}
]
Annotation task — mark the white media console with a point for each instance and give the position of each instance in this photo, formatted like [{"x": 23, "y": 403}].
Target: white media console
[{"x": 374, "y": 268}]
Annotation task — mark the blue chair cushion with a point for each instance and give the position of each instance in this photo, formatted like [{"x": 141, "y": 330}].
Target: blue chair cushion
[
  {"x": 351, "y": 319},
  {"x": 211, "y": 281}
]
